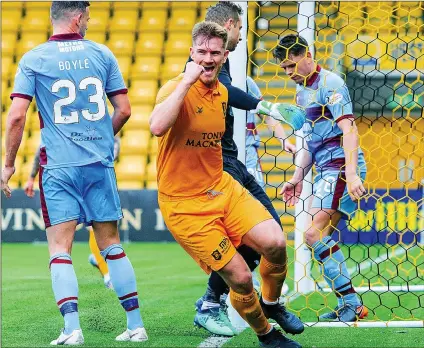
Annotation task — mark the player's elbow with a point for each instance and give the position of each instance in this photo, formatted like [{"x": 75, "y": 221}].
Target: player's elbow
[
  {"x": 156, "y": 129},
  {"x": 125, "y": 111},
  {"x": 16, "y": 118}
]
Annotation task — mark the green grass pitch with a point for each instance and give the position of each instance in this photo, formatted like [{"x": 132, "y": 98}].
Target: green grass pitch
[{"x": 168, "y": 283}]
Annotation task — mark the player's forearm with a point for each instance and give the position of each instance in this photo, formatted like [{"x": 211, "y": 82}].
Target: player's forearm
[
  {"x": 350, "y": 148},
  {"x": 303, "y": 163},
  {"x": 35, "y": 165},
  {"x": 350, "y": 144},
  {"x": 165, "y": 114},
  {"x": 119, "y": 118},
  {"x": 277, "y": 128},
  {"x": 14, "y": 131}
]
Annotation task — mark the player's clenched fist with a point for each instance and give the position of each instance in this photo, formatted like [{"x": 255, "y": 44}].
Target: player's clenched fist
[{"x": 193, "y": 72}]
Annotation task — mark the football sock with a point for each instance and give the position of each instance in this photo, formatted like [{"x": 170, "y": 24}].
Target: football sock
[
  {"x": 123, "y": 280},
  {"x": 273, "y": 276},
  {"x": 250, "y": 310},
  {"x": 331, "y": 257},
  {"x": 65, "y": 289}
]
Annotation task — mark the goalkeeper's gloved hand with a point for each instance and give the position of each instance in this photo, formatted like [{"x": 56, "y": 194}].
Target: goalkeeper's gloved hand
[{"x": 294, "y": 116}]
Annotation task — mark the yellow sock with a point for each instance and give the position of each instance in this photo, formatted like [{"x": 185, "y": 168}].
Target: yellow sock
[
  {"x": 250, "y": 310},
  {"x": 96, "y": 252},
  {"x": 273, "y": 276}
]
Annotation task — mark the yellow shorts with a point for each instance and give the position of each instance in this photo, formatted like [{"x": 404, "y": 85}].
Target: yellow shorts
[{"x": 211, "y": 226}]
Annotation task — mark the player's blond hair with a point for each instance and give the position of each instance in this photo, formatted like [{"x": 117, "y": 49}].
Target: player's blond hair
[{"x": 209, "y": 30}]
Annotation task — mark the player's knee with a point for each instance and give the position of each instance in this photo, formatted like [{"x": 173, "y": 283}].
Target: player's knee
[
  {"x": 280, "y": 242},
  {"x": 59, "y": 245},
  {"x": 275, "y": 251},
  {"x": 242, "y": 282},
  {"x": 278, "y": 239}
]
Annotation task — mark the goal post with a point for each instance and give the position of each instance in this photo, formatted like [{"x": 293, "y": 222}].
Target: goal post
[{"x": 302, "y": 273}]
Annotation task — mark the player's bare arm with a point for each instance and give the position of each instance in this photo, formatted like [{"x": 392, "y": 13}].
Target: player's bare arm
[
  {"x": 121, "y": 111},
  {"x": 14, "y": 131},
  {"x": 292, "y": 189},
  {"x": 350, "y": 146},
  {"x": 29, "y": 185},
  {"x": 165, "y": 114},
  {"x": 280, "y": 134}
]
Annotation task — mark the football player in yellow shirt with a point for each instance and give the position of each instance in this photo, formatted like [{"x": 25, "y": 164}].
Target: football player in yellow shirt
[{"x": 207, "y": 211}]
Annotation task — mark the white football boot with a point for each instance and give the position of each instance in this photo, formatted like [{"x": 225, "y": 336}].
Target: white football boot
[
  {"x": 74, "y": 339},
  {"x": 137, "y": 335}
]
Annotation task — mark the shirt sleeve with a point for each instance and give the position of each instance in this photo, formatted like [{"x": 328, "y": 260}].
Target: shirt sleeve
[
  {"x": 338, "y": 101},
  {"x": 24, "y": 86},
  {"x": 115, "y": 82},
  {"x": 167, "y": 89},
  {"x": 237, "y": 97}
]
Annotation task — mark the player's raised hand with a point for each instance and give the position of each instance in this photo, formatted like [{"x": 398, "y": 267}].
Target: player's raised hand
[
  {"x": 355, "y": 187},
  {"x": 193, "y": 72},
  {"x": 29, "y": 188},
  {"x": 6, "y": 174},
  {"x": 291, "y": 192}
]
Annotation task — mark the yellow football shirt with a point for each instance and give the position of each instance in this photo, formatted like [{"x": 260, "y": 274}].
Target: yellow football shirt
[{"x": 189, "y": 159}]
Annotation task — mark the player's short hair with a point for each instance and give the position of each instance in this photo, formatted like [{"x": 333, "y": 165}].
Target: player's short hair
[
  {"x": 289, "y": 45},
  {"x": 223, "y": 11},
  {"x": 209, "y": 30},
  {"x": 60, "y": 9}
]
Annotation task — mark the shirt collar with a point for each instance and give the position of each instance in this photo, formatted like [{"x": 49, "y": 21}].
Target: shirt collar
[
  {"x": 313, "y": 77},
  {"x": 203, "y": 90},
  {"x": 66, "y": 37}
]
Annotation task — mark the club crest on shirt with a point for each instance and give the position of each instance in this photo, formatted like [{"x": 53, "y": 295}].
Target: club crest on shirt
[
  {"x": 224, "y": 108},
  {"x": 199, "y": 109},
  {"x": 216, "y": 255},
  {"x": 334, "y": 99}
]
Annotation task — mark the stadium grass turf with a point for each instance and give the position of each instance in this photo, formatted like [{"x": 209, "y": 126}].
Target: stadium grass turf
[{"x": 168, "y": 283}]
